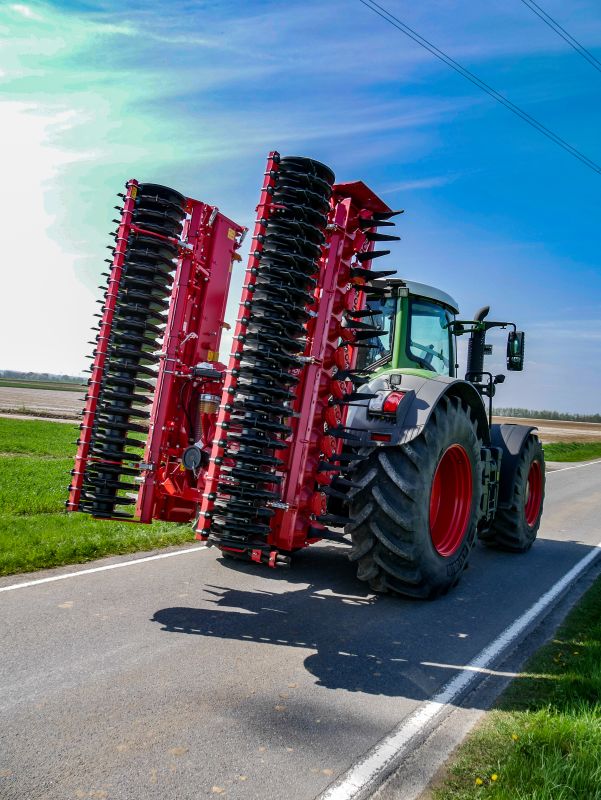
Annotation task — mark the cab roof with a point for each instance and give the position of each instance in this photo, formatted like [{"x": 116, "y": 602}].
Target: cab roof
[{"x": 428, "y": 292}]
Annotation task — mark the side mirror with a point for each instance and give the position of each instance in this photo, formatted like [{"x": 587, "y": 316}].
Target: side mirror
[{"x": 515, "y": 351}]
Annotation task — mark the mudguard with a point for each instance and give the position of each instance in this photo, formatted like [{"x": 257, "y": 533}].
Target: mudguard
[
  {"x": 510, "y": 438},
  {"x": 421, "y": 396}
]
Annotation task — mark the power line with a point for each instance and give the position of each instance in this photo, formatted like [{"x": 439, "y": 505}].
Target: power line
[
  {"x": 554, "y": 25},
  {"x": 401, "y": 26}
]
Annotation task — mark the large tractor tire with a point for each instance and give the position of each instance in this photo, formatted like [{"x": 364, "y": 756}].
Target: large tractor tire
[
  {"x": 416, "y": 509},
  {"x": 516, "y": 525}
]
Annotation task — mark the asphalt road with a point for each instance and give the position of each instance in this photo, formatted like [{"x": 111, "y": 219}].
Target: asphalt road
[{"x": 190, "y": 677}]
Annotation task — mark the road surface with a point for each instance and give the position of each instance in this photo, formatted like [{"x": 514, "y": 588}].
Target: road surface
[{"x": 189, "y": 677}]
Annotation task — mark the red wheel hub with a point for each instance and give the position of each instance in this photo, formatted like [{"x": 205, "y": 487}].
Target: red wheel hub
[
  {"x": 450, "y": 500},
  {"x": 534, "y": 493}
]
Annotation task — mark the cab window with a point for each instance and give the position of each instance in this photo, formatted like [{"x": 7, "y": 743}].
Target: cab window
[
  {"x": 429, "y": 339},
  {"x": 380, "y": 347}
]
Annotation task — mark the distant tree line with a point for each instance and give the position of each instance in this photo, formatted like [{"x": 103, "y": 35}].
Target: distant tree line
[
  {"x": 545, "y": 414},
  {"x": 40, "y": 376}
]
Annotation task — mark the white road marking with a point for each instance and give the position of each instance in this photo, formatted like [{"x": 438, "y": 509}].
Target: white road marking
[
  {"x": 393, "y": 746},
  {"x": 459, "y": 667},
  {"x": 576, "y": 466},
  {"x": 118, "y": 565}
]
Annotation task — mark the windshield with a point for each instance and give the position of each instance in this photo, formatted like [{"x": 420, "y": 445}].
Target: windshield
[
  {"x": 380, "y": 347},
  {"x": 429, "y": 336}
]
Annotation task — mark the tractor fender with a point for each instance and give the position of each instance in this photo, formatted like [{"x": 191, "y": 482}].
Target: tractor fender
[
  {"x": 413, "y": 413},
  {"x": 510, "y": 439}
]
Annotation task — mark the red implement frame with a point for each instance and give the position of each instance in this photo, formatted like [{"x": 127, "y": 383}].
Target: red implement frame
[
  {"x": 106, "y": 322},
  {"x": 296, "y": 522},
  {"x": 192, "y": 337},
  {"x": 182, "y": 412},
  {"x": 297, "y": 525},
  {"x": 213, "y": 472}
]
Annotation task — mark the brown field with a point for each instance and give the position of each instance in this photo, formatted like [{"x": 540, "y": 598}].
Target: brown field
[
  {"x": 48, "y": 403},
  {"x": 555, "y": 430}
]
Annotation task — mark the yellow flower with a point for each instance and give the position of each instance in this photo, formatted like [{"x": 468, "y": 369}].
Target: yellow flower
[
  {"x": 494, "y": 776},
  {"x": 478, "y": 781},
  {"x": 515, "y": 737}
]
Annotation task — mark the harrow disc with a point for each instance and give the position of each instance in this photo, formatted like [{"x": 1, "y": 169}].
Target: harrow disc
[
  {"x": 142, "y": 297},
  {"x": 269, "y": 360}
]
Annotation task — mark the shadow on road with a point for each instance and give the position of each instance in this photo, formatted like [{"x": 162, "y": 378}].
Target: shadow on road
[{"x": 376, "y": 644}]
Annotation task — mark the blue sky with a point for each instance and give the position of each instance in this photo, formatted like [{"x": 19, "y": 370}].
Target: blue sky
[{"x": 194, "y": 95}]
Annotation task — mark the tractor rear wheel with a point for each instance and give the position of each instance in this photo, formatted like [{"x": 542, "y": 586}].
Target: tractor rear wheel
[
  {"x": 515, "y": 525},
  {"x": 416, "y": 507}
]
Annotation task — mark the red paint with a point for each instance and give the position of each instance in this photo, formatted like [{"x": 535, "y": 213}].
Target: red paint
[
  {"x": 192, "y": 336},
  {"x": 83, "y": 449},
  {"x": 310, "y": 442},
  {"x": 450, "y": 500},
  {"x": 211, "y": 478},
  {"x": 534, "y": 493}
]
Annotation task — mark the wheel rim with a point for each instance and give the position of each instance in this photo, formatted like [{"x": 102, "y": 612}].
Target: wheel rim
[
  {"x": 450, "y": 500},
  {"x": 534, "y": 493}
]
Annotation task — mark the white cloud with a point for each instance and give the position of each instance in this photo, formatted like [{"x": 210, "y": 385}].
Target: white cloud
[
  {"x": 44, "y": 312},
  {"x": 24, "y": 11},
  {"x": 420, "y": 183}
]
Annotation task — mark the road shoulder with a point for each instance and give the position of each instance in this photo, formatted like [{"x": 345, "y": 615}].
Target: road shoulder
[{"x": 425, "y": 767}]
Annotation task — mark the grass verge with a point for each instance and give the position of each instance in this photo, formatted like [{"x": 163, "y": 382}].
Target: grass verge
[
  {"x": 37, "y": 437},
  {"x": 35, "y": 532},
  {"x": 572, "y": 451},
  {"x": 543, "y": 739}
]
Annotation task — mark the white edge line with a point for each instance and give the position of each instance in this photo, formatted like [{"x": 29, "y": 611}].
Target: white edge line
[
  {"x": 106, "y": 567},
  {"x": 392, "y": 746},
  {"x": 575, "y": 466},
  {"x": 120, "y": 564}
]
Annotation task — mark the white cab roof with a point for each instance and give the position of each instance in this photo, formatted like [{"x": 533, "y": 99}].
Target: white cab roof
[{"x": 432, "y": 293}]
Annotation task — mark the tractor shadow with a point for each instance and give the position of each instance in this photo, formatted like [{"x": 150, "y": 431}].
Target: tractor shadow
[{"x": 366, "y": 643}]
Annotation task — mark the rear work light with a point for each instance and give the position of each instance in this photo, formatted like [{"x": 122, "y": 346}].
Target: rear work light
[{"x": 385, "y": 402}]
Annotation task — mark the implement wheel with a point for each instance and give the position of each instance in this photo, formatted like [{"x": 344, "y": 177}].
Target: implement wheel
[
  {"x": 516, "y": 525},
  {"x": 415, "y": 512}
]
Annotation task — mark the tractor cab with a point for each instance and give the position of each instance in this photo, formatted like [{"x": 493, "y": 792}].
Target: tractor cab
[{"x": 416, "y": 337}]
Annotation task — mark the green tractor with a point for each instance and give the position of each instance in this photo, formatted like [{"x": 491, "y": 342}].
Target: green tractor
[{"x": 434, "y": 474}]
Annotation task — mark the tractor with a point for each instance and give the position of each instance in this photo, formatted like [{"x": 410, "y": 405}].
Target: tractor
[{"x": 339, "y": 416}]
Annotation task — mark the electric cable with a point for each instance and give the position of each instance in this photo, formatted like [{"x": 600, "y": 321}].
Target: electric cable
[
  {"x": 401, "y": 26},
  {"x": 560, "y": 31}
]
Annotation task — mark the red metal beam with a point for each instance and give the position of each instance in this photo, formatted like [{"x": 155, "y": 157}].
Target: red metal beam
[
  {"x": 192, "y": 336},
  {"x": 213, "y": 472},
  {"x": 106, "y": 322}
]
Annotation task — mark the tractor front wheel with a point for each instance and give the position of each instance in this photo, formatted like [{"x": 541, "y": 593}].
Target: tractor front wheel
[
  {"x": 415, "y": 510},
  {"x": 516, "y": 524}
]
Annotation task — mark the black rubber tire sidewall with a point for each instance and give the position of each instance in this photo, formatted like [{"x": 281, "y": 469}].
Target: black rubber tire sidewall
[
  {"x": 510, "y": 530},
  {"x": 390, "y": 512}
]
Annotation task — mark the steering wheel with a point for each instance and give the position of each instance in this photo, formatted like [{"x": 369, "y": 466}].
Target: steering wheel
[{"x": 431, "y": 352}]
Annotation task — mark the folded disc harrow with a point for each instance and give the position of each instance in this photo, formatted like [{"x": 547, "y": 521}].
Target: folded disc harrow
[
  {"x": 161, "y": 235},
  {"x": 252, "y": 453},
  {"x": 277, "y": 457}
]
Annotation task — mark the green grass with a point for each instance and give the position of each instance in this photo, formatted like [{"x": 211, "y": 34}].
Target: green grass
[
  {"x": 543, "y": 740},
  {"x": 56, "y": 385},
  {"x": 35, "y": 532},
  {"x": 30, "y": 486},
  {"x": 36, "y": 437},
  {"x": 572, "y": 451}
]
